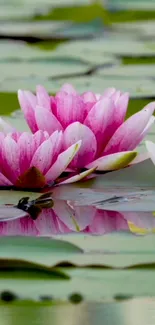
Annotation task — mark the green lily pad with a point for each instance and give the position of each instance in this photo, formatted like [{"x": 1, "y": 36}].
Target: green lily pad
[
  {"x": 14, "y": 51},
  {"x": 132, "y": 5},
  {"x": 12, "y": 197},
  {"x": 110, "y": 45},
  {"x": 136, "y": 71},
  {"x": 88, "y": 51},
  {"x": 143, "y": 28},
  {"x": 39, "y": 250},
  {"x": 44, "y": 69},
  {"x": 91, "y": 284},
  {"x": 10, "y": 12},
  {"x": 137, "y": 88},
  {"x": 41, "y": 29}
]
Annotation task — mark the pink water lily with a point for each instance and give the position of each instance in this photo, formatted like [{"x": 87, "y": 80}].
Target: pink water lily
[
  {"x": 108, "y": 140},
  {"x": 33, "y": 160}
]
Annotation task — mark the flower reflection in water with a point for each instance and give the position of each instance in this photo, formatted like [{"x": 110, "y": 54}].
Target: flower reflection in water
[{"x": 65, "y": 217}]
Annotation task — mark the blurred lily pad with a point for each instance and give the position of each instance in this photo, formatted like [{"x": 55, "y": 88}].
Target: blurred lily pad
[
  {"x": 8, "y": 11},
  {"x": 57, "y": 3},
  {"x": 131, "y": 5},
  {"x": 143, "y": 28},
  {"x": 41, "y": 29},
  {"x": 44, "y": 69},
  {"x": 16, "y": 51},
  {"x": 136, "y": 71},
  {"x": 111, "y": 45},
  {"x": 138, "y": 89},
  {"x": 50, "y": 29}
]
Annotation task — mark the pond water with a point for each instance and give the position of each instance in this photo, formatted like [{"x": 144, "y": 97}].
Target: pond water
[{"x": 86, "y": 252}]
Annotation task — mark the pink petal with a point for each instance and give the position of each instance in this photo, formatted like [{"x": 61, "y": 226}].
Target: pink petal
[
  {"x": 19, "y": 227},
  {"x": 150, "y": 146},
  {"x": 98, "y": 96},
  {"x": 28, "y": 102},
  {"x": 146, "y": 130},
  {"x": 43, "y": 99},
  {"x": 57, "y": 143},
  {"x": 46, "y": 153},
  {"x": 46, "y": 121},
  {"x": 39, "y": 137},
  {"x": 102, "y": 120},
  {"x": 53, "y": 105},
  {"x": 4, "y": 181},
  {"x": 109, "y": 92},
  {"x": 70, "y": 108},
  {"x": 68, "y": 89},
  {"x": 10, "y": 159},
  {"x": 121, "y": 107},
  {"x": 128, "y": 134},
  {"x": 141, "y": 219},
  {"x": 89, "y": 100},
  {"x": 106, "y": 222},
  {"x": 26, "y": 148},
  {"x": 114, "y": 161},
  {"x": 48, "y": 224},
  {"x": 88, "y": 97},
  {"x": 75, "y": 218},
  {"x": 2, "y": 137},
  {"x": 65, "y": 213},
  {"x": 121, "y": 103},
  {"x": 15, "y": 135},
  {"x": 115, "y": 96},
  {"x": 84, "y": 216},
  {"x": 77, "y": 131},
  {"x": 62, "y": 162},
  {"x": 78, "y": 177}
]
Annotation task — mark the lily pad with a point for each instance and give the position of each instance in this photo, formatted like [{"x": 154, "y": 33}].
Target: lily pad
[
  {"x": 88, "y": 51},
  {"x": 136, "y": 71},
  {"x": 16, "y": 51},
  {"x": 138, "y": 89},
  {"x": 43, "y": 69},
  {"x": 110, "y": 45},
  {"x": 12, "y": 197},
  {"x": 143, "y": 28},
  {"x": 10, "y": 12},
  {"x": 41, "y": 29},
  {"x": 132, "y": 5}
]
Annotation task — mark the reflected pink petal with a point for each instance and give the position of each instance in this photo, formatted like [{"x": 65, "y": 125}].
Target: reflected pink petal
[
  {"x": 48, "y": 224},
  {"x": 18, "y": 227},
  {"x": 106, "y": 222}
]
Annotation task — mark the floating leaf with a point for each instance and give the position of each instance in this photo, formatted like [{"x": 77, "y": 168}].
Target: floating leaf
[{"x": 136, "y": 71}]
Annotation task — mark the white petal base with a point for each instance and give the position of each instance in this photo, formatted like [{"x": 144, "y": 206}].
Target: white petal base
[{"x": 114, "y": 161}]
